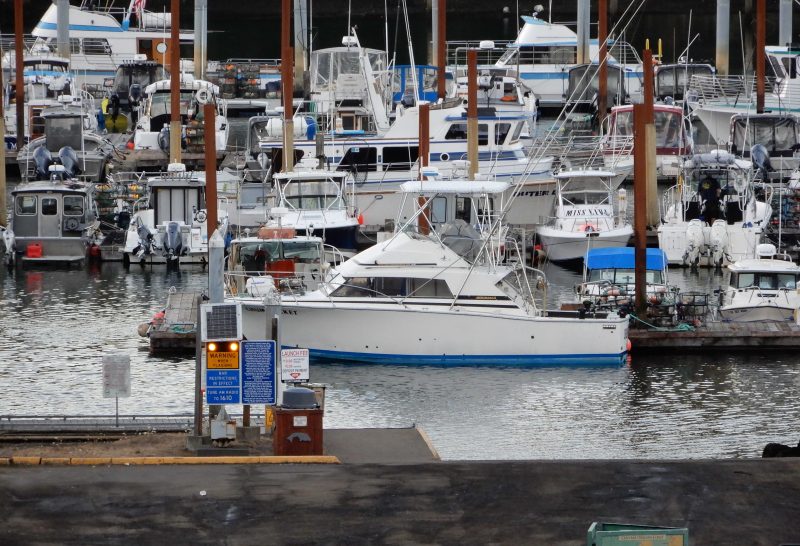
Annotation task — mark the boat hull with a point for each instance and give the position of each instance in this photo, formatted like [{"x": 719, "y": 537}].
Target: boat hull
[
  {"x": 391, "y": 334},
  {"x": 562, "y": 246},
  {"x": 756, "y": 313}
]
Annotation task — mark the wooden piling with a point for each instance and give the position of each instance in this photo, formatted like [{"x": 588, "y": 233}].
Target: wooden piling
[
  {"x": 761, "y": 33},
  {"x": 210, "y": 142},
  {"x": 472, "y": 112},
  {"x": 19, "y": 92},
  {"x": 424, "y": 151},
  {"x": 287, "y": 85},
  {"x": 640, "y": 206}
]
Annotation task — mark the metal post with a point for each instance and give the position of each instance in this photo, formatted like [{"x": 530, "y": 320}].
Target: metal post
[
  {"x": 785, "y": 22},
  {"x": 216, "y": 266},
  {"x": 602, "y": 35},
  {"x": 19, "y": 55},
  {"x": 3, "y": 212},
  {"x": 723, "y": 36},
  {"x": 116, "y": 405},
  {"x": 200, "y": 38},
  {"x": 424, "y": 151},
  {"x": 472, "y": 112},
  {"x": 287, "y": 86},
  {"x": 441, "y": 49},
  {"x": 640, "y": 206},
  {"x": 433, "y": 53},
  {"x": 300, "y": 45},
  {"x": 246, "y": 415},
  {"x": 210, "y": 144},
  {"x": 175, "y": 84},
  {"x": 583, "y": 32},
  {"x": 62, "y": 28},
  {"x": 198, "y": 374},
  {"x": 761, "y": 32}
]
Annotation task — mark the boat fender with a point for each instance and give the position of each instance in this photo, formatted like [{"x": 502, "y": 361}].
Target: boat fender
[{"x": 143, "y": 329}]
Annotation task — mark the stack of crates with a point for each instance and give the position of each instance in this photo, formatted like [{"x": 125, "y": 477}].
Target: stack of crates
[
  {"x": 195, "y": 137},
  {"x": 227, "y": 81},
  {"x": 248, "y": 78}
]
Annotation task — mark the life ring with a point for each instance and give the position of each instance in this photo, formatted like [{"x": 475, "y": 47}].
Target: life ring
[
  {"x": 589, "y": 228},
  {"x": 72, "y": 224},
  {"x": 508, "y": 98},
  {"x": 200, "y": 216},
  {"x": 203, "y": 96}
]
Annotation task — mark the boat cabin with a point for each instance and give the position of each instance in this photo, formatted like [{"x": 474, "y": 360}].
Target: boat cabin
[
  {"x": 609, "y": 276},
  {"x": 672, "y": 80},
  {"x": 131, "y": 79},
  {"x": 778, "y": 133},
  {"x": 177, "y": 197},
  {"x": 584, "y": 86},
  {"x": 48, "y": 211}
]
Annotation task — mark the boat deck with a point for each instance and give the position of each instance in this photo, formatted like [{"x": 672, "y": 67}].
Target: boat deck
[
  {"x": 732, "y": 335},
  {"x": 177, "y": 332}
]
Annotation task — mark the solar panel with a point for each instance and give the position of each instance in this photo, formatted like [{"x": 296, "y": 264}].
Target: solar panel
[{"x": 221, "y": 322}]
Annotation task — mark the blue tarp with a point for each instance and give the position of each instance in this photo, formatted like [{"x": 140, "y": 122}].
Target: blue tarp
[{"x": 623, "y": 258}]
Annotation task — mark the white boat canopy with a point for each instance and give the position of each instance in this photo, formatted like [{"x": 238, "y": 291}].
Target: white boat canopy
[{"x": 460, "y": 187}]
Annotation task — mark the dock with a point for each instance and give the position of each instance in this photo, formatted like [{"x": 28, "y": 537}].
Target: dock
[
  {"x": 731, "y": 335},
  {"x": 177, "y": 330}
]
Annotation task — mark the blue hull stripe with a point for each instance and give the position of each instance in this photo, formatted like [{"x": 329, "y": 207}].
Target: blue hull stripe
[
  {"x": 85, "y": 28},
  {"x": 469, "y": 360}
]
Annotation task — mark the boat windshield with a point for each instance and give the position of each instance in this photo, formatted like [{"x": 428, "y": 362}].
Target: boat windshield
[
  {"x": 586, "y": 198},
  {"x": 764, "y": 280},
  {"x": 142, "y": 75},
  {"x": 161, "y": 106},
  {"x": 259, "y": 255},
  {"x": 253, "y": 195},
  {"x": 312, "y": 195},
  {"x": 624, "y": 276}
]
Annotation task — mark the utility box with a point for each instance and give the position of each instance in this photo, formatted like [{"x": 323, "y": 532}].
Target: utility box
[
  {"x": 298, "y": 424},
  {"x": 622, "y": 534}
]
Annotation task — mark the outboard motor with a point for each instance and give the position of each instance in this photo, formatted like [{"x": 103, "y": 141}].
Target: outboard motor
[
  {"x": 42, "y": 160},
  {"x": 695, "y": 243},
  {"x": 134, "y": 98},
  {"x": 123, "y": 219},
  {"x": 760, "y": 157},
  {"x": 113, "y": 107},
  {"x": 145, "y": 241},
  {"x": 719, "y": 243},
  {"x": 69, "y": 159},
  {"x": 163, "y": 139},
  {"x": 173, "y": 246}
]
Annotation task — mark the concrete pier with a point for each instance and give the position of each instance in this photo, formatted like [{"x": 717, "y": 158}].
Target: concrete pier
[{"x": 551, "y": 503}]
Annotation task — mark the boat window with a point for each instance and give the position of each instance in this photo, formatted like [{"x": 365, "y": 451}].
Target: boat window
[
  {"x": 517, "y": 132},
  {"x": 787, "y": 280},
  {"x": 464, "y": 209},
  {"x": 161, "y": 105},
  {"x": 744, "y": 280},
  {"x": 73, "y": 205},
  {"x": 428, "y": 288},
  {"x": 26, "y": 204},
  {"x": 438, "y": 210},
  {"x": 623, "y": 123},
  {"x": 507, "y": 56},
  {"x": 668, "y": 129},
  {"x": 359, "y": 159},
  {"x": 96, "y": 46},
  {"x": 389, "y": 286},
  {"x": 312, "y": 195},
  {"x": 302, "y": 251},
  {"x": 625, "y": 276},
  {"x": 765, "y": 281},
  {"x": 354, "y": 286},
  {"x": 49, "y": 206},
  {"x": 63, "y": 131},
  {"x": 397, "y": 158},
  {"x": 776, "y": 67},
  {"x": 458, "y": 131},
  {"x": 500, "y": 132}
]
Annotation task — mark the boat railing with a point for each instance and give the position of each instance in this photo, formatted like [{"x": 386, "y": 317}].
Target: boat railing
[
  {"x": 729, "y": 90},
  {"x": 8, "y": 43},
  {"x": 580, "y": 151},
  {"x": 457, "y": 51}
]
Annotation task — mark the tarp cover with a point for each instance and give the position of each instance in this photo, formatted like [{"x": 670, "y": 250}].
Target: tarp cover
[{"x": 624, "y": 258}]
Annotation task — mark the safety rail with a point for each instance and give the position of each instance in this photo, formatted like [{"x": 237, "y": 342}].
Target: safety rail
[
  {"x": 8, "y": 43},
  {"x": 457, "y": 51},
  {"x": 729, "y": 90}
]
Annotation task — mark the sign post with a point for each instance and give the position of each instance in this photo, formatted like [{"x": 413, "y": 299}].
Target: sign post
[{"x": 116, "y": 378}]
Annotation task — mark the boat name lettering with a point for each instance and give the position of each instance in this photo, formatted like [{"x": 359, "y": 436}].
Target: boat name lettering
[
  {"x": 588, "y": 212},
  {"x": 536, "y": 193},
  {"x": 289, "y": 312},
  {"x": 609, "y": 326}
]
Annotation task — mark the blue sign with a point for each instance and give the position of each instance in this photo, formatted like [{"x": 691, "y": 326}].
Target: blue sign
[
  {"x": 222, "y": 378},
  {"x": 258, "y": 372},
  {"x": 223, "y": 395}
]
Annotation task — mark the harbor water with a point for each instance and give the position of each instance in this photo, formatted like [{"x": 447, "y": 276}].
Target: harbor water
[{"x": 55, "y": 325}]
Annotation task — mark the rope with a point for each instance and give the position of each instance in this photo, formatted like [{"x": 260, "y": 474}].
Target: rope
[{"x": 680, "y": 327}]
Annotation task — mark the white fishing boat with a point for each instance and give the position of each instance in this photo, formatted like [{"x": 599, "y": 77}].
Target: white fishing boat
[
  {"x": 277, "y": 260},
  {"x": 104, "y": 35},
  {"x": 584, "y": 216},
  {"x": 154, "y": 116},
  {"x": 696, "y": 234},
  {"x": 168, "y": 226},
  {"x": 762, "y": 288},
  {"x": 69, "y": 137},
  {"x": 777, "y": 136},
  {"x": 413, "y": 300},
  {"x": 609, "y": 277},
  {"x": 52, "y": 221},
  {"x": 714, "y": 99}
]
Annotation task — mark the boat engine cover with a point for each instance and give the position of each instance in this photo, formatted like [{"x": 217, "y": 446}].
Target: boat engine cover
[{"x": 174, "y": 243}]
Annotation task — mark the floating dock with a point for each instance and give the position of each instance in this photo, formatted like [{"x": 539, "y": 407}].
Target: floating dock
[
  {"x": 731, "y": 335},
  {"x": 177, "y": 330}
]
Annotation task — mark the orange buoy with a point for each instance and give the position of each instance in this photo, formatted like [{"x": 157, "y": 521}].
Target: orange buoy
[
  {"x": 360, "y": 219},
  {"x": 628, "y": 345}
]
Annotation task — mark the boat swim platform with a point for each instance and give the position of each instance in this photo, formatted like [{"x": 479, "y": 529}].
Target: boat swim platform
[
  {"x": 178, "y": 330},
  {"x": 711, "y": 335},
  {"x": 53, "y": 260}
]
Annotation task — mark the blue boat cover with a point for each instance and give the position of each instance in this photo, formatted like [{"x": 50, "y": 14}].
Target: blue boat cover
[{"x": 623, "y": 258}]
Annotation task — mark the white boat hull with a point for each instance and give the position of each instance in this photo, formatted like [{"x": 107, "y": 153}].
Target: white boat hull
[
  {"x": 561, "y": 246},
  {"x": 390, "y": 334},
  {"x": 764, "y": 311}
]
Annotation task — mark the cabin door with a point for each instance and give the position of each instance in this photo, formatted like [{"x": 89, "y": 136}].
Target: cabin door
[{"x": 50, "y": 216}]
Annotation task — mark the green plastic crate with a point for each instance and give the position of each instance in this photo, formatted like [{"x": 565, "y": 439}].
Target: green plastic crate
[{"x": 622, "y": 534}]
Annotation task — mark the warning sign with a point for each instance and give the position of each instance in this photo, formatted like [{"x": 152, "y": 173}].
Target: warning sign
[{"x": 222, "y": 360}]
